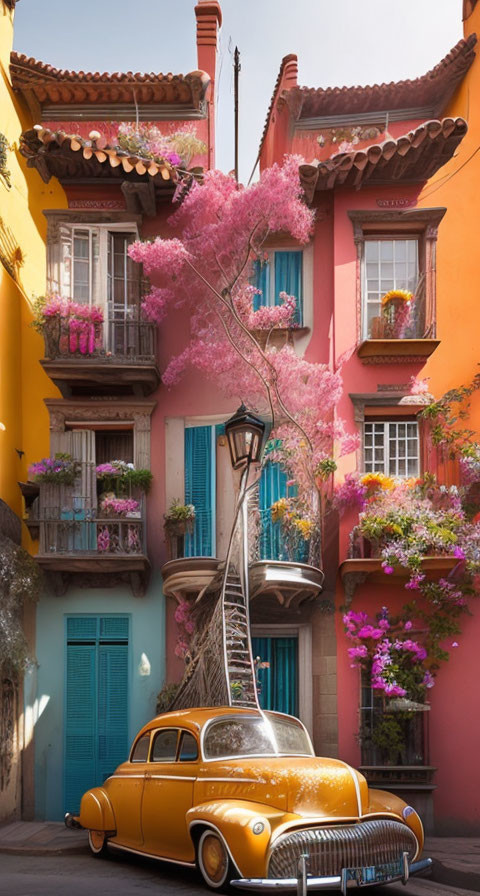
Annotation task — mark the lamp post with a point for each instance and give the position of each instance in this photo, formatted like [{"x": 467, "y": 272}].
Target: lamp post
[
  {"x": 246, "y": 440},
  {"x": 245, "y": 434},
  {"x": 222, "y": 671}
]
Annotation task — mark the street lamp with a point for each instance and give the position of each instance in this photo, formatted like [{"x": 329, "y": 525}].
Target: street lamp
[{"x": 245, "y": 433}]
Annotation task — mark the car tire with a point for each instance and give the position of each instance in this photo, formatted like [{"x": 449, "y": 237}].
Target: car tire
[
  {"x": 213, "y": 861},
  {"x": 97, "y": 841}
]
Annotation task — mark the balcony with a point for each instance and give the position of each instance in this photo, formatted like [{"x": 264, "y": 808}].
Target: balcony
[
  {"x": 81, "y": 545},
  {"x": 397, "y": 334},
  {"x": 116, "y": 356},
  {"x": 278, "y": 577}
]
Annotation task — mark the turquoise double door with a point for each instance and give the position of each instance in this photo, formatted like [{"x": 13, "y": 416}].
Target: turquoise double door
[
  {"x": 96, "y": 702},
  {"x": 277, "y": 682}
]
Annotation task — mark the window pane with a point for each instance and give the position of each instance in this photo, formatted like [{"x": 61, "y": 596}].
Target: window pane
[
  {"x": 165, "y": 746},
  {"x": 371, "y": 250},
  {"x": 81, "y": 266},
  {"x": 188, "y": 748},
  {"x": 386, "y": 250},
  {"x": 140, "y": 750}
]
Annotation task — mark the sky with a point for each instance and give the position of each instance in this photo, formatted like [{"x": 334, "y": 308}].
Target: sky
[{"x": 337, "y": 43}]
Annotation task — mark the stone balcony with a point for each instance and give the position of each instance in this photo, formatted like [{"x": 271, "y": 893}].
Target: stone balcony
[{"x": 289, "y": 584}]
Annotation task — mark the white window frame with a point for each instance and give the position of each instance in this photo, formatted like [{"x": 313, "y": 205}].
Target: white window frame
[
  {"x": 103, "y": 231},
  {"x": 270, "y": 260},
  {"x": 383, "y": 238},
  {"x": 303, "y": 338},
  {"x": 385, "y": 466}
]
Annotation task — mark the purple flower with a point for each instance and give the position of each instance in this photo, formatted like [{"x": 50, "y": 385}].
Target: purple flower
[
  {"x": 173, "y": 158},
  {"x": 428, "y": 680},
  {"x": 388, "y": 570},
  {"x": 459, "y": 553},
  {"x": 407, "y": 625},
  {"x": 454, "y": 644},
  {"x": 357, "y": 652}
]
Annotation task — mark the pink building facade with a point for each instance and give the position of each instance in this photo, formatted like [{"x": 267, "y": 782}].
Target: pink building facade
[{"x": 368, "y": 154}]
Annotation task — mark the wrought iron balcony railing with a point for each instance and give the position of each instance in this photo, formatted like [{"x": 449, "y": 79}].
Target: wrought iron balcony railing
[
  {"x": 120, "y": 338},
  {"x": 82, "y": 531}
]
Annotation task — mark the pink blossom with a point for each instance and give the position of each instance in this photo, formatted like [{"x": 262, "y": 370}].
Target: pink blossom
[
  {"x": 408, "y": 625},
  {"x": 388, "y": 570}
]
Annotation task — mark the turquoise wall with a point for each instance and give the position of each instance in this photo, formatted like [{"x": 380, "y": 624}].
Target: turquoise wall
[{"x": 44, "y": 686}]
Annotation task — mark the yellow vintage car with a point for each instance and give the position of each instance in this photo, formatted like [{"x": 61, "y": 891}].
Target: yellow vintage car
[{"x": 240, "y": 794}]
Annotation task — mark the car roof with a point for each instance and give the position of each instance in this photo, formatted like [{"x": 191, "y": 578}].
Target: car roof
[{"x": 195, "y": 719}]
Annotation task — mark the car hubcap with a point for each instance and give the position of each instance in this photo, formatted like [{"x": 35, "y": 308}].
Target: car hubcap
[{"x": 214, "y": 859}]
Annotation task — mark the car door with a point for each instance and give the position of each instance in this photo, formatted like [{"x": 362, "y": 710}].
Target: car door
[
  {"x": 168, "y": 794},
  {"x": 125, "y": 791}
]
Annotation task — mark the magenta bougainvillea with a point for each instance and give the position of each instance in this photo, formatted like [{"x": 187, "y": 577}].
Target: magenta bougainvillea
[{"x": 386, "y": 650}]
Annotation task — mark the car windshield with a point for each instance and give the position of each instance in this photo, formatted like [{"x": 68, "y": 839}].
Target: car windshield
[{"x": 267, "y": 735}]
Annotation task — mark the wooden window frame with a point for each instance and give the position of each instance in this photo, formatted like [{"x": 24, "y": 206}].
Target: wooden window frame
[
  {"x": 386, "y": 406},
  {"x": 421, "y": 224}
]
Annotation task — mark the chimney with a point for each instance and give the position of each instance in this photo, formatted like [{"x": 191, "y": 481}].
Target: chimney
[
  {"x": 209, "y": 20},
  {"x": 290, "y": 71}
]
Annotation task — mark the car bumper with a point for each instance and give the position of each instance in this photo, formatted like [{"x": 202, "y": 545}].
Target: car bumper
[{"x": 302, "y": 884}]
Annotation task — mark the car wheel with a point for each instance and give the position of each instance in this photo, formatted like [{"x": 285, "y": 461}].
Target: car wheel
[
  {"x": 213, "y": 860},
  {"x": 97, "y": 842}
]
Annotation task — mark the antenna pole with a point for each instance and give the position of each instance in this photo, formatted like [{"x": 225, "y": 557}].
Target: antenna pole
[{"x": 236, "y": 70}]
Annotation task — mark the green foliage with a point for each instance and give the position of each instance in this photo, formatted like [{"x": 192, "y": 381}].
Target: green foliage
[
  {"x": 389, "y": 735},
  {"x": 4, "y": 172},
  {"x": 20, "y": 580},
  {"x": 166, "y": 697},
  {"x": 141, "y": 479},
  {"x": 325, "y": 468},
  {"x": 445, "y": 415},
  {"x": 38, "y": 308},
  {"x": 178, "y": 512}
]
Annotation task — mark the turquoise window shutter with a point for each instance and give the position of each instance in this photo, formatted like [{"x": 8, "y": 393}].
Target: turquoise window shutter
[
  {"x": 261, "y": 279},
  {"x": 112, "y": 714},
  {"x": 273, "y": 486},
  {"x": 199, "y": 489},
  {"x": 278, "y": 684},
  {"x": 289, "y": 279},
  {"x": 80, "y": 724}
]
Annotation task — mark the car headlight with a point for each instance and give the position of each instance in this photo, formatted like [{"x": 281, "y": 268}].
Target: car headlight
[{"x": 407, "y": 811}]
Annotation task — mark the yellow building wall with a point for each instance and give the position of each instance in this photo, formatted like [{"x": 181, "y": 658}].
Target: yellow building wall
[
  {"x": 23, "y": 384},
  {"x": 456, "y": 186}
]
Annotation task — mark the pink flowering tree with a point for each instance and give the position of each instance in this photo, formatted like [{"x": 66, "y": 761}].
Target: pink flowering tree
[{"x": 218, "y": 233}]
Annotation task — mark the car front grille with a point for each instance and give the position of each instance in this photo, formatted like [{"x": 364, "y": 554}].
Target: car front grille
[{"x": 330, "y": 849}]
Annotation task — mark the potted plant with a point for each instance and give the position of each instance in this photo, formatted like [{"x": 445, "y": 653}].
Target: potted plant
[
  {"x": 396, "y": 313},
  {"x": 61, "y": 469},
  {"x": 178, "y": 521},
  {"x": 120, "y": 507},
  {"x": 121, "y": 477}
]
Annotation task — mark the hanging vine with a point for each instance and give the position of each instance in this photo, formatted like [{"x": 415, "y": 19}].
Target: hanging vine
[
  {"x": 20, "y": 580},
  {"x": 4, "y": 171}
]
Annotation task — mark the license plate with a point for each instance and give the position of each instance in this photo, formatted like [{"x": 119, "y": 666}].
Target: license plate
[{"x": 375, "y": 874}]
